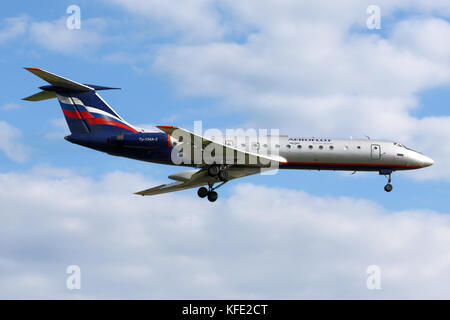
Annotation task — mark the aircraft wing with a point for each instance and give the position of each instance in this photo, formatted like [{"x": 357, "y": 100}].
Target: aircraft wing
[
  {"x": 240, "y": 156},
  {"x": 245, "y": 163},
  {"x": 195, "y": 178}
]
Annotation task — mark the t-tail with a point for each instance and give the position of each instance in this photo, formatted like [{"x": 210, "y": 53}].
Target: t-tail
[{"x": 85, "y": 111}]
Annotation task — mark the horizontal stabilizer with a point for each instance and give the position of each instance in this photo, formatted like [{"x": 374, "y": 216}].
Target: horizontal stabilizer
[
  {"x": 98, "y": 88},
  {"x": 43, "y": 95},
  {"x": 59, "y": 81}
]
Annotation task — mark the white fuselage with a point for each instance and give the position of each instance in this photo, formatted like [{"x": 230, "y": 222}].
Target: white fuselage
[{"x": 334, "y": 154}]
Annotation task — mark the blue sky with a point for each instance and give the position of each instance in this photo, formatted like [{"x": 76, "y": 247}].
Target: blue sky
[{"x": 307, "y": 69}]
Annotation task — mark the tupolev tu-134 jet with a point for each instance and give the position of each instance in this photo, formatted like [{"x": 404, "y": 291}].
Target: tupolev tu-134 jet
[{"x": 216, "y": 160}]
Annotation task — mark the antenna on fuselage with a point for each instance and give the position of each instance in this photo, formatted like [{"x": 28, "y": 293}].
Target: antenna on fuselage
[{"x": 367, "y": 137}]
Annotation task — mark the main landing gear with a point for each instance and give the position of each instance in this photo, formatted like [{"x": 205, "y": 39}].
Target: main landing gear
[
  {"x": 388, "y": 187},
  {"x": 214, "y": 171},
  {"x": 211, "y": 194},
  {"x": 218, "y": 171}
]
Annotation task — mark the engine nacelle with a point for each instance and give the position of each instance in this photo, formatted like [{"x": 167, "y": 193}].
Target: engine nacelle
[{"x": 149, "y": 140}]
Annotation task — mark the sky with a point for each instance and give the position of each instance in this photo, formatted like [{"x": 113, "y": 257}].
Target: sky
[{"x": 307, "y": 68}]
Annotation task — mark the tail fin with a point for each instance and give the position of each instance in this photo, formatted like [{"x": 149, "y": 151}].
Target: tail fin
[{"x": 85, "y": 111}]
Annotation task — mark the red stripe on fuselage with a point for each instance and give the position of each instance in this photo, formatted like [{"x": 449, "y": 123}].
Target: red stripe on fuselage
[{"x": 352, "y": 164}]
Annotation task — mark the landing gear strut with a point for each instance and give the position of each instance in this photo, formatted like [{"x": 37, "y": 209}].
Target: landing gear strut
[
  {"x": 221, "y": 173},
  {"x": 388, "y": 187}
]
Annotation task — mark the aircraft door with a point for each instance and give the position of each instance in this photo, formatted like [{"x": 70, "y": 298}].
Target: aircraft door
[{"x": 375, "y": 151}]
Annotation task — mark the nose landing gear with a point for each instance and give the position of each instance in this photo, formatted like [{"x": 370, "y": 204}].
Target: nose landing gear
[{"x": 388, "y": 187}]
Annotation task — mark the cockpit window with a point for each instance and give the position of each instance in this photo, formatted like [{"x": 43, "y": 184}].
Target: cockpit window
[{"x": 402, "y": 146}]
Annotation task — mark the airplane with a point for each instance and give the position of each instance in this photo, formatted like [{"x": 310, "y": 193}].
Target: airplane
[{"x": 94, "y": 124}]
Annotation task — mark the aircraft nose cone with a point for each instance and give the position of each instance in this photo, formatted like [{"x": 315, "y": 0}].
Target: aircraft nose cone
[
  {"x": 420, "y": 160},
  {"x": 427, "y": 161}
]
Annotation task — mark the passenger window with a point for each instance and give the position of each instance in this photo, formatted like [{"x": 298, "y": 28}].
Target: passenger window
[
  {"x": 288, "y": 146},
  {"x": 299, "y": 147},
  {"x": 320, "y": 147},
  {"x": 331, "y": 147},
  {"x": 310, "y": 147}
]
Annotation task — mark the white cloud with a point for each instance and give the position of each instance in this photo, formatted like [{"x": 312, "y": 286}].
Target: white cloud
[
  {"x": 258, "y": 243},
  {"x": 10, "y": 143},
  {"x": 60, "y": 129},
  {"x": 302, "y": 67},
  {"x": 304, "y": 70},
  {"x": 304, "y": 59},
  {"x": 54, "y": 35},
  {"x": 15, "y": 26},
  {"x": 194, "y": 21},
  {"x": 424, "y": 37},
  {"x": 57, "y": 37}
]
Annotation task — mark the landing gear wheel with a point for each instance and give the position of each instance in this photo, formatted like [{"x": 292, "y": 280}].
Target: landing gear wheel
[
  {"x": 212, "y": 196},
  {"x": 223, "y": 175},
  {"x": 388, "y": 187},
  {"x": 202, "y": 192},
  {"x": 213, "y": 170}
]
